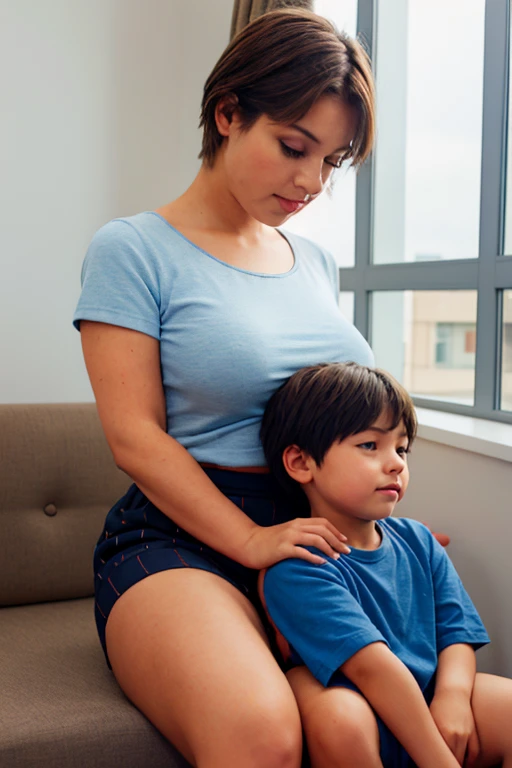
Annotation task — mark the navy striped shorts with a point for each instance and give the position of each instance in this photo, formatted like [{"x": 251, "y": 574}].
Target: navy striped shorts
[{"x": 139, "y": 540}]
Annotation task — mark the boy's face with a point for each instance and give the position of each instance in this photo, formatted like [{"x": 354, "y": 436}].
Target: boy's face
[{"x": 363, "y": 476}]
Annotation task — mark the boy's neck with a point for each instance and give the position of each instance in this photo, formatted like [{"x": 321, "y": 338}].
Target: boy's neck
[{"x": 361, "y": 534}]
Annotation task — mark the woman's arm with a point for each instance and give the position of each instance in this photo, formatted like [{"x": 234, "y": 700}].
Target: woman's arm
[
  {"x": 124, "y": 370},
  {"x": 394, "y": 694}
]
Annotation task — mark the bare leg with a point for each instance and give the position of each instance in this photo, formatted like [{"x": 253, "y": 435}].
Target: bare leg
[
  {"x": 492, "y": 710},
  {"x": 189, "y": 651},
  {"x": 340, "y": 727}
]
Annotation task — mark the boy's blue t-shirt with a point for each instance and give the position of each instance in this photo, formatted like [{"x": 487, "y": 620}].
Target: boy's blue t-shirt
[
  {"x": 406, "y": 594},
  {"x": 228, "y": 337}
]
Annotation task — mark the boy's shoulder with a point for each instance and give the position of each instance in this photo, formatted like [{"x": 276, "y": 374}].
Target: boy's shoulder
[
  {"x": 411, "y": 532},
  {"x": 406, "y": 526}
]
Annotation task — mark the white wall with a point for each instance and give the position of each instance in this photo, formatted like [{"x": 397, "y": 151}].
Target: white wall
[
  {"x": 468, "y": 496},
  {"x": 100, "y": 106}
]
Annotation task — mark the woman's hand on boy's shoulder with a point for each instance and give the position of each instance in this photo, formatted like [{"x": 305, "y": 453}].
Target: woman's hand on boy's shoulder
[
  {"x": 266, "y": 546},
  {"x": 442, "y": 538}
]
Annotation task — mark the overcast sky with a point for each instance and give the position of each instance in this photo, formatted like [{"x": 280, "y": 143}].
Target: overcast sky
[{"x": 443, "y": 114}]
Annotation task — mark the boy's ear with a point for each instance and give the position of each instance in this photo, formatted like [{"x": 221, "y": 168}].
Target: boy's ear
[
  {"x": 298, "y": 464},
  {"x": 226, "y": 113}
]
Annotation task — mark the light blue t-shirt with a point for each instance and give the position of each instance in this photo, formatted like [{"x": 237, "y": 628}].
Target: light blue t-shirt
[
  {"x": 406, "y": 594},
  {"x": 228, "y": 337}
]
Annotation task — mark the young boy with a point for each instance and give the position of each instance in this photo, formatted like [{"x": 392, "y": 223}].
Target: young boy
[{"x": 387, "y": 632}]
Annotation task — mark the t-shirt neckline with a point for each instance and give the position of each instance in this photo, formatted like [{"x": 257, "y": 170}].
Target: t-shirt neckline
[
  {"x": 279, "y": 275},
  {"x": 372, "y": 555}
]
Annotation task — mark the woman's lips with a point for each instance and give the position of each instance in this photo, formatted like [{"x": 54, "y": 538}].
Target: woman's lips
[{"x": 290, "y": 206}]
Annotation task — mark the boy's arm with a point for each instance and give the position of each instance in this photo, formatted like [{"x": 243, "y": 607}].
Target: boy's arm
[
  {"x": 395, "y": 695},
  {"x": 459, "y": 632},
  {"x": 456, "y": 670},
  {"x": 451, "y": 704}
]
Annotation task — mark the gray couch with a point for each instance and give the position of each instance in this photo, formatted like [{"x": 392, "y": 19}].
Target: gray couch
[{"x": 59, "y": 703}]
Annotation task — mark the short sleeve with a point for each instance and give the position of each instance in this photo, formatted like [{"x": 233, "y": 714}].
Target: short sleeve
[
  {"x": 120, "y": 282},
  {"x": 314, "y": 610},
  {"x": 457, "y": 620}
]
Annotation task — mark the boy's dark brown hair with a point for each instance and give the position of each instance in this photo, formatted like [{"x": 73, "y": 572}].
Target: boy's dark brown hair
[
  {"x": 323, "y": 404},
  {"x": 279, "y": 65}
]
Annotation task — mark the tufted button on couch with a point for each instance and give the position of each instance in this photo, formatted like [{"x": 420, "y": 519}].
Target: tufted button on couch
[{"x": 60, "y": 705}]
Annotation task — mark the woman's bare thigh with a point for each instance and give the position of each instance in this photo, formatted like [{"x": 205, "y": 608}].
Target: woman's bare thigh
[{"x": 189, "y": 650}]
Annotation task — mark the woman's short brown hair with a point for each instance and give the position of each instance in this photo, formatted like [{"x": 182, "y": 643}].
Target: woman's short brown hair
[
  {"x": 279, "y": 65},
  {"x": 323, "y": 404}
]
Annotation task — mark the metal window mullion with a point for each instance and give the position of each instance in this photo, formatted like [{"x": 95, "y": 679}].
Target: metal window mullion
[
  {"x": 491, "y": 200},
  {"x": 366, "y": 32},
  {"x": 363, "y": 246},
  {"x": 414, "y": 276},
  {"x": 503, "y": 277}
]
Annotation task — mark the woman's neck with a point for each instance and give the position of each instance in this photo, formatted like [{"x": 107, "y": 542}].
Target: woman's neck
[{"x": 208, "y": 205}]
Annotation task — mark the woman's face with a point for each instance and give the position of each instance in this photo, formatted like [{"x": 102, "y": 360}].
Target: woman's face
[{"x": 272, "y": 167}]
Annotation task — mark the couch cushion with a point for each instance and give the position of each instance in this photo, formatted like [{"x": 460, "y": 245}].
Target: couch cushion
[
  {"x": 60, "y": 704},
  {"x": 57, "y": 482}
]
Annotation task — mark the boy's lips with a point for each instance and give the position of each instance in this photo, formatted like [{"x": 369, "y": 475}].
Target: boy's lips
[
  {"x": 390, "y": 487},
  {"x": 392, "y": 490}
]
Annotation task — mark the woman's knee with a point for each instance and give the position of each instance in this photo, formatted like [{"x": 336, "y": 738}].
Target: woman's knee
[{"x": 267, "y": 733}]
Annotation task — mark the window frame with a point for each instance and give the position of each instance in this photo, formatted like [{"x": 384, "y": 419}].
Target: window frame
[{"x": 491, "y": 272}]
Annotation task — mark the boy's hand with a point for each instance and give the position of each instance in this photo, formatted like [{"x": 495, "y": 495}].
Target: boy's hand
[{"x": 452, "y": 713}]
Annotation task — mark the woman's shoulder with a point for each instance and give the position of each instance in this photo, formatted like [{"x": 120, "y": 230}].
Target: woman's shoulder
[
  {"x": 145, "y": 226},
  {"x": 134, "y": 252},
  {"x": 143, "y": 242}
]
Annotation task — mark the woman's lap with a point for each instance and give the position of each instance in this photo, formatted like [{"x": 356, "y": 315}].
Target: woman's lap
[
  {"x": 139, "y": 541},
  {"x": 186, "y": 635}
]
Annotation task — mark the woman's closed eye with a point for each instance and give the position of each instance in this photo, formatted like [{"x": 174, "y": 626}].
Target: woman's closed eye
[
  {"x": 290, "y": 151},
  {"x": 334, "y": 162}
]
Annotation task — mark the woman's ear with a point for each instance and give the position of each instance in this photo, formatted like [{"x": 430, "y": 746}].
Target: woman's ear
[
  {"x": 226, "y": 113},
  {"x": 298, "y": 464}
]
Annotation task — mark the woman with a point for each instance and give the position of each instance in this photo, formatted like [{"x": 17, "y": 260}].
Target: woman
[{"x": 190, "y": 317}]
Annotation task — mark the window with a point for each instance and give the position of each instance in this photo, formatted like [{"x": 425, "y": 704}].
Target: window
[
  {"x": 431, "y": 275},
  {"x": 330, "y": 220},
  {"x": 433, "y": 341},
  {"x": 455, "y": 346},
  {"x": 429, "y": 71}
]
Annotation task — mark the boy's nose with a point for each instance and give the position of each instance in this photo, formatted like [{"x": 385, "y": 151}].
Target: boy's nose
[{"x": 396, "y": 464}]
